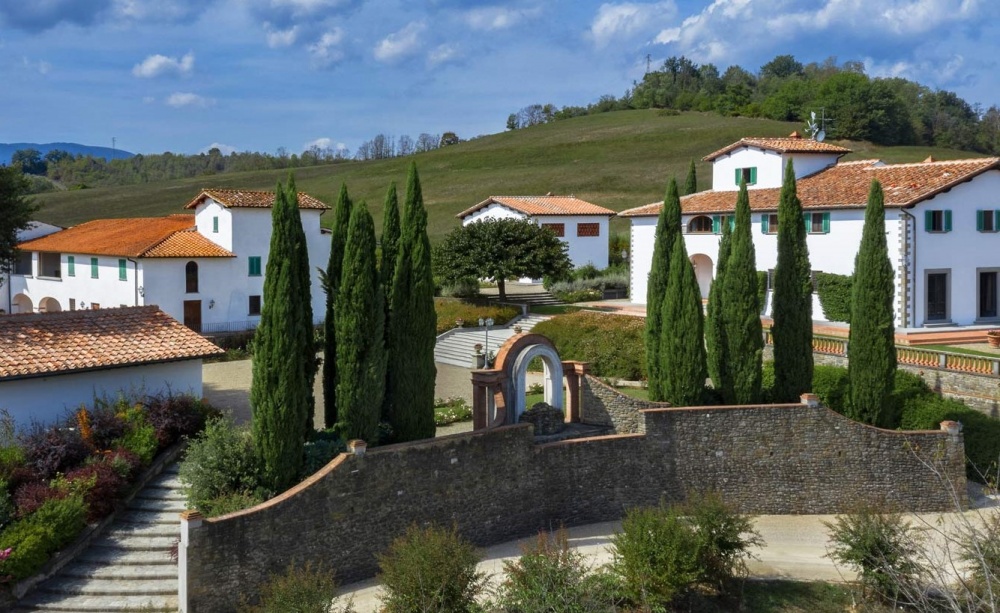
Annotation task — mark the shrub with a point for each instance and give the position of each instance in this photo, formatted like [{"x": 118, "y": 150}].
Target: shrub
[
  {"x": 318, "y": 452},
  {"x": 219, "y": 462},
  {"x": 981, "y": 432},
  {"x": 612, "y": 344},
  {"x": 830, "y": 384},
  {"x": 581, "y": 295},
  {"x": 49, "y": 449},
  {"x": 104, "y": 487},
  {"x": 230, "y": 503},
  {"x": 106, "y": 425},
  {"x": 448, "y": 310},
  {"x": 139, "y": 436},
  {"x": 880, "y": 547},
  {"x": 451, "y": 410},
  {"x": 29, "y": 497},
  {"x": 835, "y": 295},
  {"x": 305, "y": 589},
  {"x": 7, "y": 509},
  {"x": 725, "y": 535},
  {"x": 125, "y": 463},
  {"x": 463, "y": 288},
  {"x": 431, "y": 570},
  {"x": 173, "y": 417},
  {"x": 31, "y": 540}
]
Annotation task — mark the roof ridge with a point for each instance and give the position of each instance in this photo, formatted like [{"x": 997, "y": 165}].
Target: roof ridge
[{"x": 982, "y": 160}]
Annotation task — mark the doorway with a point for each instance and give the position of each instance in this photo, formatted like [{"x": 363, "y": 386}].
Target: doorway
[
  {"x": 192, "y": 314},
  {"x": 988, "y": 294},
  {"x": 937, "y": 297}
]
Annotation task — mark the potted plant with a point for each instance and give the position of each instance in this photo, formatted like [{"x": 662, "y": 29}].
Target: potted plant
[
  {"x": 517, "y": 329},
  {"x": 478, "y": 357},
  {"x": 993, "y": 338},
  {"x": 459, "y": 323}
]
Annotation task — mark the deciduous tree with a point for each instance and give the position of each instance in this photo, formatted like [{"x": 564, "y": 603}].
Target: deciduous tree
[{"x": 668, "y": 230}]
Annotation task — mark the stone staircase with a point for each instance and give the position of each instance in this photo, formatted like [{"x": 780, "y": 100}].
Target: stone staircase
[
  {"x": 456, "y": 347},
  {"x": 534, "y": 299},
  {"x": 129, "y": 567}
]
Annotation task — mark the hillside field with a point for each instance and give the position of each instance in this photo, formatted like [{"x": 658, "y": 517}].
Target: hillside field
[{"x": 618, "y": 160}]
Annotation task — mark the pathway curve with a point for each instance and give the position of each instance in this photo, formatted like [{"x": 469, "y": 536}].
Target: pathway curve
[{"x": 129, "y": 567}]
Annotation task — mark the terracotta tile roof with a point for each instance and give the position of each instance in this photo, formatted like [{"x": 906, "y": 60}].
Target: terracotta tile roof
[
  {"x": 43, "y": 344},
  {"x": 187, "y": 244},
  {"x": 788, "y": 144},
  {"x": 241, "y": 198},
  {"x": 542, "y": 205},
  {"x": 844, "y": 186},
  {"x": 129, "y": 237}
]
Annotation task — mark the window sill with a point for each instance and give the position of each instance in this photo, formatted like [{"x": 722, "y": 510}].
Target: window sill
[
  {"x": 986, "y": 321},
  {"x": 938, "y": 323},
  {"x": 44, "y": 278}
]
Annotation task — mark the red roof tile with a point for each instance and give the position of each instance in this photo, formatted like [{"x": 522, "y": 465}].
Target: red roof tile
[
  {"x": 240, "y": 198},
  {"x": 122, "y": 237},
  {"x": 542, "y": 205},
  {"x": 43, "y": 344},
  {"x": 187, "y": 244},
  {"x": 844, "y": 186},
  {"x": 789, "y": 144}
]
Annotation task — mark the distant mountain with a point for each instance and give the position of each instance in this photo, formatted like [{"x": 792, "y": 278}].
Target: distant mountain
[{"x": 8, "y": 149}]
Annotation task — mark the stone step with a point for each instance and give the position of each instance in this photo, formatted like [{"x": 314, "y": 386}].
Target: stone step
[
  {"x": 150, "y": 517},
  {"x": 171, "y": 481},
  {"x": 120, "y": 572},
  {"x": 99, "y": 604},
  {"x": 145, "y": 504},
  {"x": 144, "y": 530},
  {"x": 111, "y": 557},
  {"x": 124, "y": 542},
  {"x": 113, "y": 587},
  {"x": 160, "y": 493}
]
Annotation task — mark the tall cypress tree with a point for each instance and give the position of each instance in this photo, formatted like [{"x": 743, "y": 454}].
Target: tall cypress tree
[
  {"x": 872, "y": 344},
  {"x": 741, "y": 309},
  {"x": 668, "y": 230},
  {"x": 359, "y": 316},
  {"x": 387, "y": 266},
  {"x": 338, "y": 240},
  {"x": 792, "y": 313},
  {"x": 279, "y": 390},
  {"x": 691, "y": 183},
  {"x": 719, "y": 367},
  {"x": 412, "y": 324},
  {"x": 302, "y": 269},
  {"x": 682, "y": 348}
]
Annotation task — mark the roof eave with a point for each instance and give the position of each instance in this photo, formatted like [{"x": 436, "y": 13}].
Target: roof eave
[{"x": 75, "y": 371}]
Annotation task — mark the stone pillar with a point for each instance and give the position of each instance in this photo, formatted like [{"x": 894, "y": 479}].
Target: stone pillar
[
  {"x": 190, "y": 520},
  {"x": 574, "y": 373},
  {"x": 810, "y": 400},
  {"x": 484, "y": 384}
]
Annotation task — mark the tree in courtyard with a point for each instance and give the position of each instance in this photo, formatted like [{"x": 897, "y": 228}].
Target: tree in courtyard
[
  {"x": 792, "y": 314},
  {"x": 741, "y": 309},
  {"x": 691, "y": 183},
  {"x": 359, "y": 315},
  {"x": 871, "y": 344},
  {"x": 15, "y": 213},
  {"x": 502, "y": 249},
  {"x": 668, "y": 231},
  {"x": 331, "y": 278},
  {"x": 280, "y": 389},
  {"x": 719, "y": 367},
  {"x": 682, "y": 346},
  {"x": 412, "y": 325},
  {"x": 387, "y": 266}
]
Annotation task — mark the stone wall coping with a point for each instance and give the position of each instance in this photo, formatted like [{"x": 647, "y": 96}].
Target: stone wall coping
[
  {"x": 652, "y": 404},
  {"x": 588, "y": 439}
]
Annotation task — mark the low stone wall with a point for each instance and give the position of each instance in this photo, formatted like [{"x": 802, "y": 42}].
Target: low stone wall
[
  {"x": 496, "y": 485},
  {"x": 602, "y": 405}
]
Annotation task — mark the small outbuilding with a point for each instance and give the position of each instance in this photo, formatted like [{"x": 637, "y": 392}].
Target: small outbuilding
[{"x": 52, "y": 362}]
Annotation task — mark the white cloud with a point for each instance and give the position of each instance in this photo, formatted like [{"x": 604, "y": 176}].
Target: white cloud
[
  {"x": 41, "y": 66},
  {"x": 181, "y": 99},
  {"x": 442, "y": 54},
  {"x": 628, "y": 19},
  {"x": 400, "y": 44},
  {"x": 160, "y": 65},
  {"x": 326, "y": 51},
  {"x": 320, "y": 143},
  {"x": 223, "y": 148},
  {"x": 158, "y": 10},
  {"x": 498, "y": 17},
  {"x": 281, "y": 38}
]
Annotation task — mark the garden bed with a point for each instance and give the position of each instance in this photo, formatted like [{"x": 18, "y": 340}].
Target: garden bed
[{"x": 451, "y": 310}]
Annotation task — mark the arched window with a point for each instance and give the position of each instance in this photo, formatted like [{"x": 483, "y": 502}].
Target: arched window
[
  {"x": 700, "y": 225},
  {"x": 191, "y": 277}
]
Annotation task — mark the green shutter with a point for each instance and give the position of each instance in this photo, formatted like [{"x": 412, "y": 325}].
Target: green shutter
[
  {"x": 753, "y": 175},
  {"x": 254, "y": 266},
  {"x": 716, "y": 224},
  {"x": 122, "y": 270},
  {"x": 996, "y": 220},
  {"x": 739, "y": 175},
  {"x": 928, "y": 221},
  {"x": 947, "y": 220},
  {"x": 93, "y": 268},
  {"x": 71, "y": 265},
  {"x": 807, "y": 220},
  {"x": 215, "y": 225},
  {"x": 732, "y": 222},
  {"x": 763, "y": 224},
  {"x": 826, "y": 223},
  {"x": 979, "y": 220}
]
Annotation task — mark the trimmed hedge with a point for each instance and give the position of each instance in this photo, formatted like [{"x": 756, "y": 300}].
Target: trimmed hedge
[
  {"x": 835, "y": 295},
  {"x": 450, "y": 309},
  {"x": 612, "y": 344}
]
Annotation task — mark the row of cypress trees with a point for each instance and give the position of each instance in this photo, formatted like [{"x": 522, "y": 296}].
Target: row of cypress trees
[{"x": 683, "y": 344}]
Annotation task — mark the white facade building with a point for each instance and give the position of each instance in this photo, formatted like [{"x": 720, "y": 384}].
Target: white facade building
[
  {"x": 942, "y": 221},
  {"x": 581, "y": 225},
  {"x": 205, "y": 269},
  {"x": 35, "y": 229}
]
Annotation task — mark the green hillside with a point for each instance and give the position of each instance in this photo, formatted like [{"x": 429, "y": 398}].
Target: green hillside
[{"x": 618, "y": 160}]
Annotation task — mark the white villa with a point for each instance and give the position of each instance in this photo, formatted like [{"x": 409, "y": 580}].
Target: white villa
[
  {"x": 581, "y": 225},
  {"x": 205, "y": 269},
  {"x": 942, "y": 220}
]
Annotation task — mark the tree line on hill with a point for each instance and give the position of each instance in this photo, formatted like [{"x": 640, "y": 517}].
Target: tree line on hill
[{"x": 886, "y": 111}]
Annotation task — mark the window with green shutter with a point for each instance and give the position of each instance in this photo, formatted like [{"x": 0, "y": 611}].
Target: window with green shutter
[
  {"x": 716, "y": 224},
  {"x": 70, "y": 265},
  {"x": 254, "y": 269},
  {"x": 937, "y": 220},
  {"x": 215, "y": 225},
  {"x": 122, "y": 270},
  {"x": 817, "y": 223},
  {"x": 93, "y": 268},
  {"x": 747, "y": 175},
  {"x": 987, "y": 221},
  {"x": 769, "y": 223}
]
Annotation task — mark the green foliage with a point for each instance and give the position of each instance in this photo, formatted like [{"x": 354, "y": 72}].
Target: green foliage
[
  {"x": 320, "y": 449},
  {"x": 682, "y": 344},
  {"x": 831, "y": 383},
  {"x": 872, "y": 342},
  {"x": 607, "y": 342},
  {"x": 219, "y": 463},
  {"x": 334, "y": 269},
  {"x": 462, "y": 288},
  {"x": 451, "y": 410},
  {"x": 300, "y": 589},
  {"x": 691, "y": 182},
  {"x": 668, "y": 230},
  {"x": 33, "y": 539},
  {"x": 741, "y": 310},
  {"x": 140, "y": 435},
  {"x": 448, "y": 311},
  {"x": 881, "y": 547},
  {"x": 284, "y": 359},
  {"x": 835, "y": 295},
  {"x": 980, "y": 432},
  {"x": 16, "y": 210},
  {"x": 431, "y": 570},
  {"x": 359, "y": 317},
  {"x": 411, "y": 372},
  {"x": 716, "y": 345},
  {"x": 502, "y": 249},
  {"x": 725, "y": 538},
  {"x": 389, "y": 251},
  {"x": 792, "y": 313}
]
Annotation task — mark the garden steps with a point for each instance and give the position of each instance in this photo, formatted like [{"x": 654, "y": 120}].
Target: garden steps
[
  {"x": 457, "y": 346},
  {"x": 129, "y": 567}
]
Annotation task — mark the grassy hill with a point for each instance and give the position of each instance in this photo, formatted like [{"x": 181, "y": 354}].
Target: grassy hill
[{"x": 618, "y": 160}]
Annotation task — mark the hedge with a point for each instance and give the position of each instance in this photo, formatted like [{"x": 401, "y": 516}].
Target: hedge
[
  {"x": 835, "y": 295},
  {"x": 450, "y": 309},
  {"x": 612, "y": 344}
]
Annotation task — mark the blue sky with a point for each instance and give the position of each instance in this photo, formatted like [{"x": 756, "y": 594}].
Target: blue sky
[{"x": 183, "y": 75}]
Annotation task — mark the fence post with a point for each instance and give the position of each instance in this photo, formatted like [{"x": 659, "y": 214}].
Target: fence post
[{"x": 190, "y": 520}]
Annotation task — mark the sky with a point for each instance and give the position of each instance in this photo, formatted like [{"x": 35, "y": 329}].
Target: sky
[{"x": 187, "y": 75}]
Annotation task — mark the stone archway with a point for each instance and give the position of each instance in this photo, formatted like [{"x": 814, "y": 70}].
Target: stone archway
[
  {"x": 703, "y": 271},
  {"x": 22, "y": 304},
  {"x": 553, "y": 379},
  {"x": 49, "y": 305}
]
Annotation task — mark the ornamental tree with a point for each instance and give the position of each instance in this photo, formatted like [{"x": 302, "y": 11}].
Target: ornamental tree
[
  {"x": 387, "y": 265},
  {"x": 338, "y": 242},
  {"x": 502, "y": 249},
  {"x": 668, "y": 230},
  {"x": 691, "y": 183}
]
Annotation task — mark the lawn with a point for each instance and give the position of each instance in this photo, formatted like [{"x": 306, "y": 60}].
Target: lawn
[{"x": 959, "y": 349}]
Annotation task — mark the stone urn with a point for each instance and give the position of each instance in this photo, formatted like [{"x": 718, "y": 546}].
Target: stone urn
[{"x": 993, "y": 338}]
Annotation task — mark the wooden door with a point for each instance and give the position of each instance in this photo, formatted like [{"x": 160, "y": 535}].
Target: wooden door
[{"x": 192, "y": 314}]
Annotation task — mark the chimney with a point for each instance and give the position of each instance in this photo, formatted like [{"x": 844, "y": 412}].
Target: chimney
[
  {"x": 550, "y": 194},
  {"x": 795, "y": 134},
  {"x": 930, "y": 159}
]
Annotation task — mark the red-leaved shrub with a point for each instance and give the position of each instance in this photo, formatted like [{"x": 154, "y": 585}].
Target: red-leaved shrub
[
  {"x": 174, "y": 417},
  {"x": 105, "y": 491},
  {"x": 29, "y": 497},
  {"x": 106, "y": 425},
  {"x": 125, "y": 463},
  {"x": 50, "y": 449}
]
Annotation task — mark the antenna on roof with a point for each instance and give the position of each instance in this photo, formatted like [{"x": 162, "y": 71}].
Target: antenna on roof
[{"x": 817, "y": 129}]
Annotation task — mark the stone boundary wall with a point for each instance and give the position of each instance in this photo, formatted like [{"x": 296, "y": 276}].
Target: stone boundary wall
[
  {"x": 496, "y": 485},
  {"x": 602, "y": 405}
]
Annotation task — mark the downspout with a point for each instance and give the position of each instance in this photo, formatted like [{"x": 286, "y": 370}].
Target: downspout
[
  {"x": 135, "y": 279},
  {"x": 906, "y": 245}
]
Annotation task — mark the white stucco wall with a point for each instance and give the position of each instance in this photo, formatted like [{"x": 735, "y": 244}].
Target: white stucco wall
[
  {"x": 107, "y": 290},
  {"x": 203, "y": 216},
  {"x": 46, "y": 399},
  {"x": 770, "y": 167},
  {"x": 493, "y": 211}
]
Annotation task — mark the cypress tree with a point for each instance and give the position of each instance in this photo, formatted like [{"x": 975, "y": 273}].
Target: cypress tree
[
  {"x": 741, "y": 309},
  {"x": 668, "y": 229},
  {"x": 715, "y": 329},
  {"x": 302, "y": 269},
  {"x": 682, "y": 348},
  {"x": 338, "y": 240},
  {"x": 792, "y": 313},
  {"x": 871, "y": 344},
  {"x": 359, "y": 316},
  {"x": 279, "y": 391},
  {"x": 691, "y": 183},
  {"x": 412, "y": 325},
  {"x": 387, "y": 266}
]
